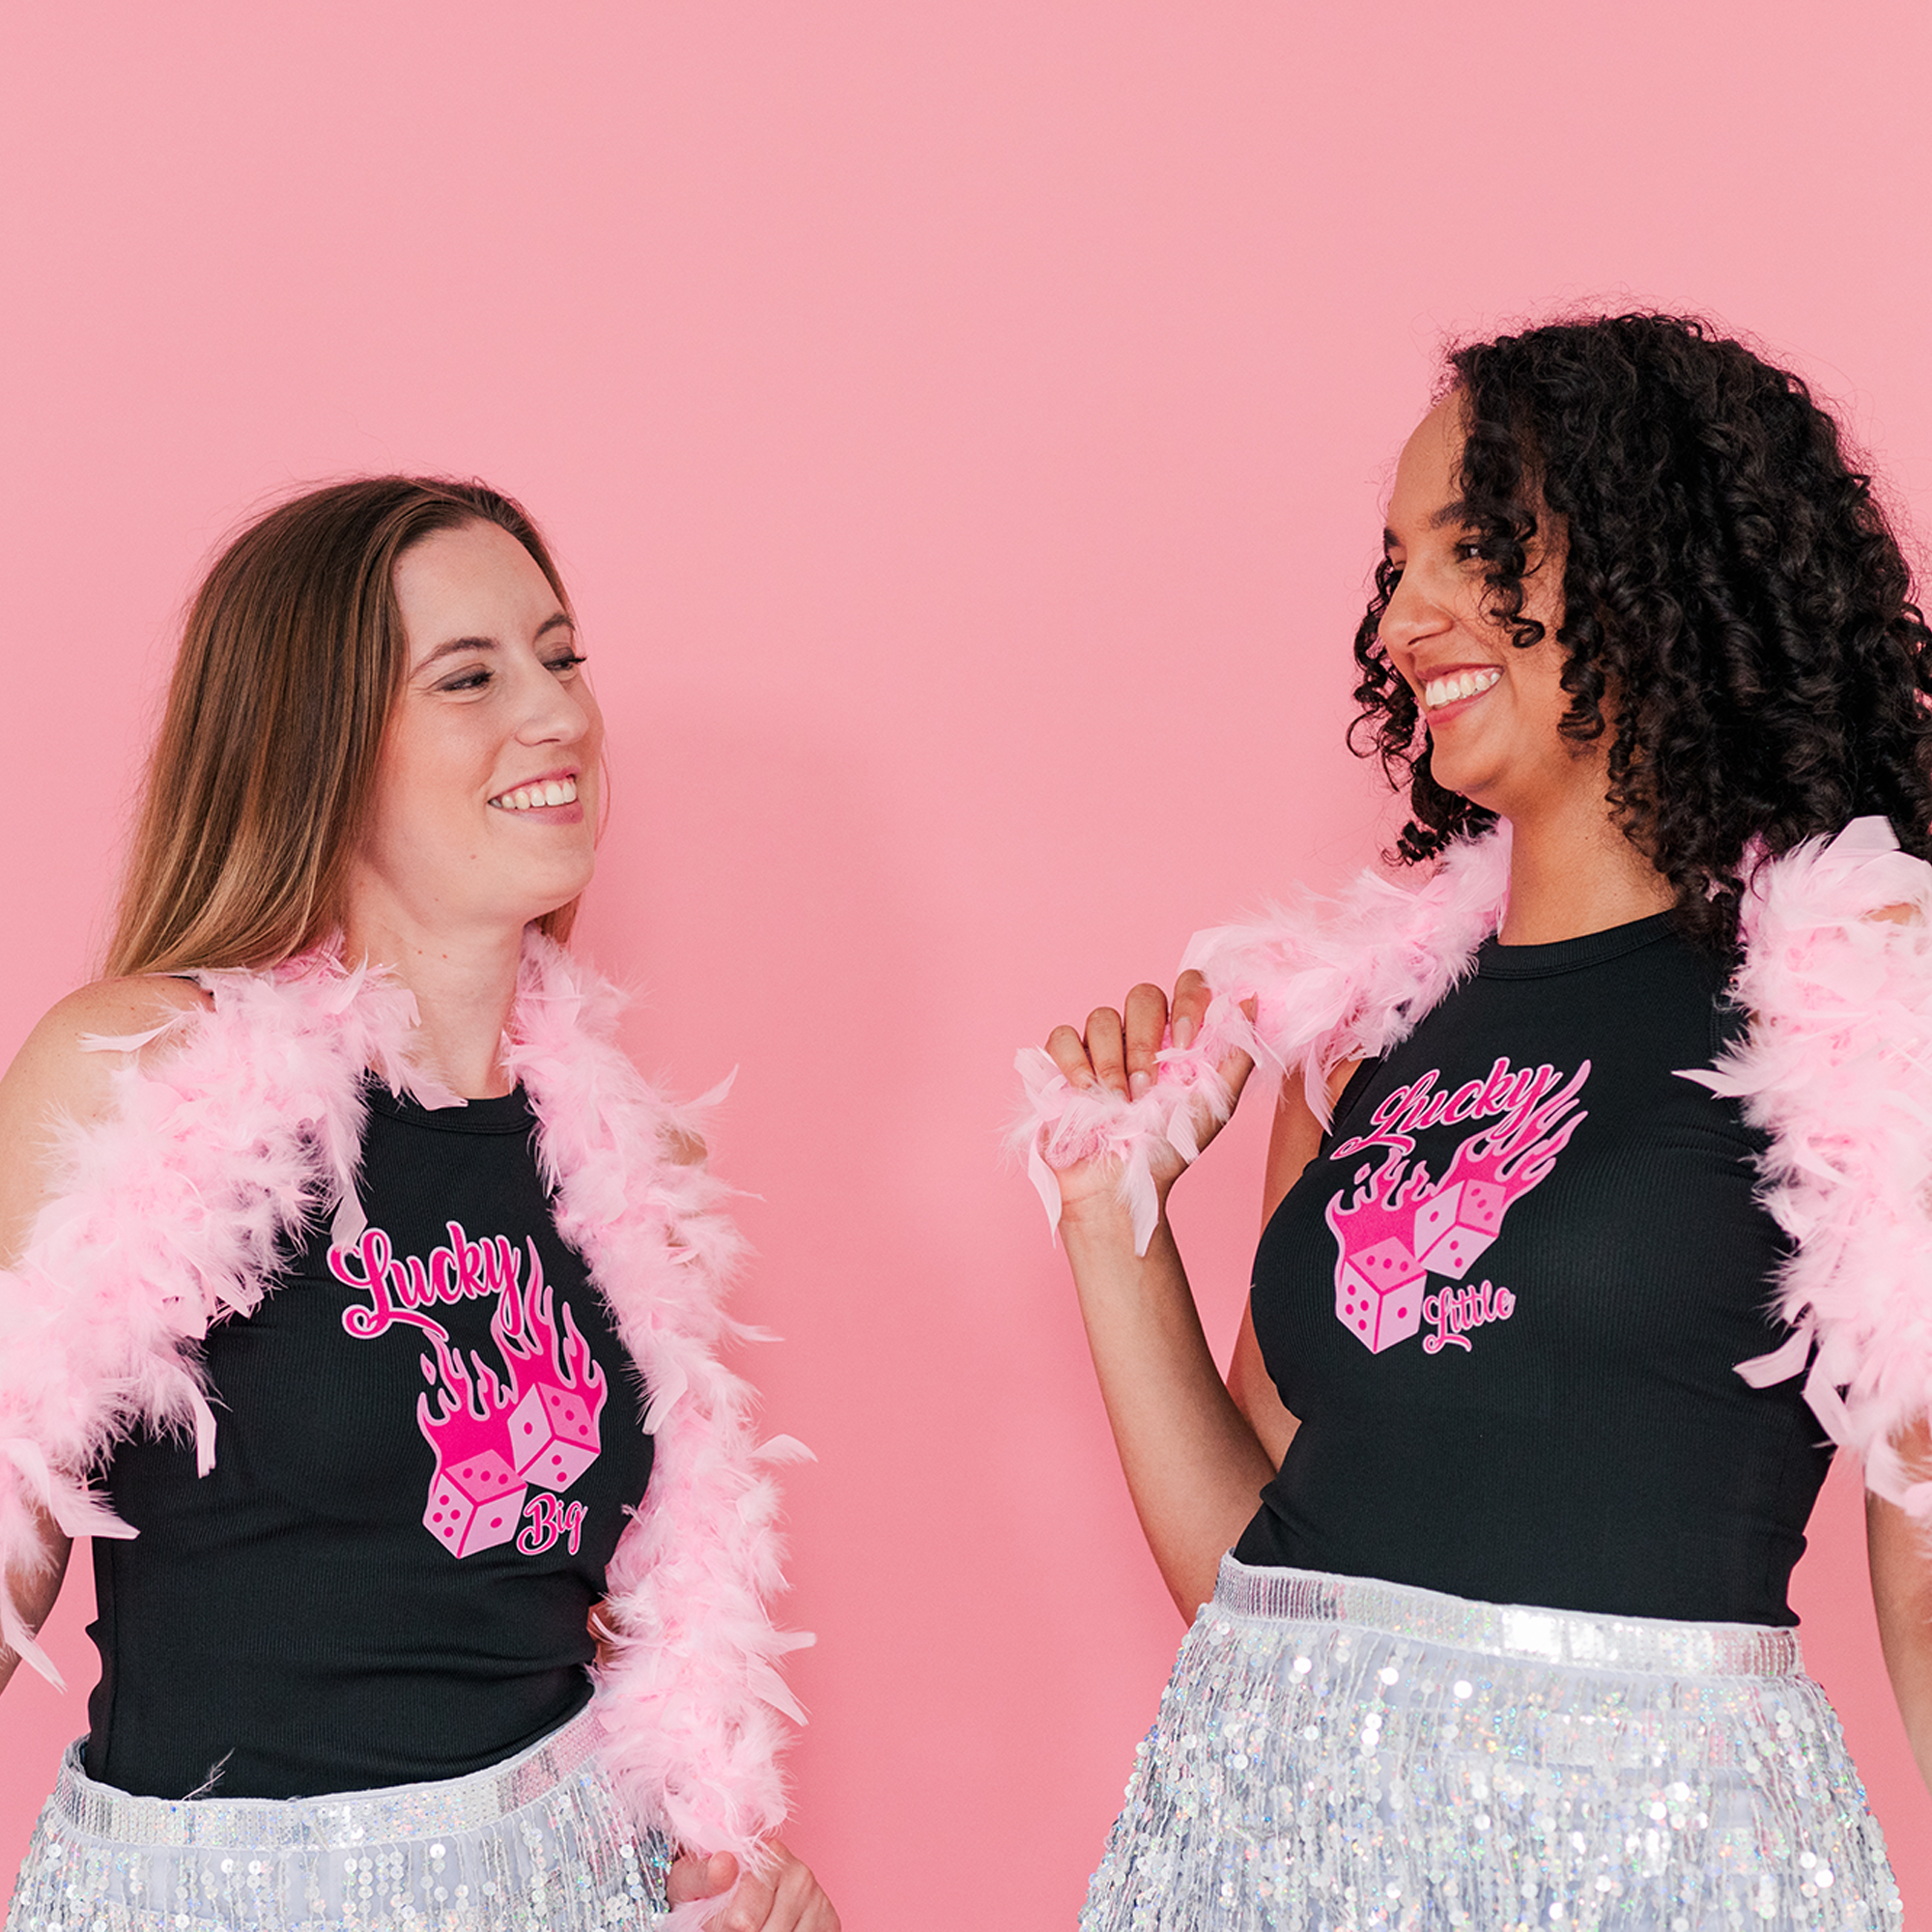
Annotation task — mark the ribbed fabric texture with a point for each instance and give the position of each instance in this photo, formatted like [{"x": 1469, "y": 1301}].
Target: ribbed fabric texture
[
  {"x": 290, "y": 1624},
  {"x": 1506, "y": 1297}
]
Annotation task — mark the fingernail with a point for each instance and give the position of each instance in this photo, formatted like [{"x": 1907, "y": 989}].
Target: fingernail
[
  {"x": 1139, "y": 1081},
  {"x": 1183, "y": 1031}
]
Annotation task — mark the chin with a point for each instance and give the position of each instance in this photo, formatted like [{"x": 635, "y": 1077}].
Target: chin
[
  {"x": 1454, "y": 776},
  {"x": 561, "y": 896}
]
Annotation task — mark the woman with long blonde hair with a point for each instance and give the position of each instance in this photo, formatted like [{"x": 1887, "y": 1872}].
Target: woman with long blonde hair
[{"x": 363, "y": 1305}]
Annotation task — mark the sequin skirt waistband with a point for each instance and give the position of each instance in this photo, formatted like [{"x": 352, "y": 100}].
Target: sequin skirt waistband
[
  {"x": 338, "y": 1822},
  {"x": 1573, "y": 1638}
]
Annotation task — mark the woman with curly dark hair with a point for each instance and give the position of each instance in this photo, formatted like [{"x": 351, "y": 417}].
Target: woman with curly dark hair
[{"x": 1604, "y": 1193}]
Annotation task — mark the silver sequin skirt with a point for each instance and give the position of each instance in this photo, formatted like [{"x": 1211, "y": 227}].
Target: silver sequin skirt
[
  {"x": 1333, "y": 1752},
  {"x": 539, "y": 1843}
]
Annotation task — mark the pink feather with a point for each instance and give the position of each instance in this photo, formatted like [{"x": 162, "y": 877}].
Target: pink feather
[
  {"x": 1836, "y": 1069},
  {"x": 1329, "y": 981},
  {"x": 168, "y": 1216}
]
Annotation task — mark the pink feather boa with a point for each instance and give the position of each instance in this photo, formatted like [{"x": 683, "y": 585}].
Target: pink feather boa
[
  {"x": 169, "y": 1215},
  {"x": 1328, "y": 981},
  {"x": 1836, "y": 1069}
]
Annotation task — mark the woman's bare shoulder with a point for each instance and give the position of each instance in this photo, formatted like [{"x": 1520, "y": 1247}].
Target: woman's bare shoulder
[
  {"x": 57, "y": 1077},
  {"x": 58, "y": 1051}
]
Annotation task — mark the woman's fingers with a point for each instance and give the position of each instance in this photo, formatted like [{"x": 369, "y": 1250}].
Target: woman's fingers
[
  {"x": 786, "y": 1899},
  {"x": 692, "y": 1877},
  {"x": 751, "y": 1908},
  {"x": 1190, "y": 1006},
  {"x": 1068, "y": 1051},
  {"x": 1146, "y": 1033},
  {"x": 1107, "y": 1048},
  {"x": 1122, "y": 1050}
]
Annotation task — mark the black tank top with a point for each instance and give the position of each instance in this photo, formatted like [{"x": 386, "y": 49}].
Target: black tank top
[
  {"x": 1507, "y": 1296},
  {"x": 426, "y": 1440}
]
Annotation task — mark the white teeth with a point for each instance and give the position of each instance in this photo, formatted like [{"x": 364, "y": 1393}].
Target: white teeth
[
  {"x": 1441, "y": 690},
  {"x": 551, "y": 791}
]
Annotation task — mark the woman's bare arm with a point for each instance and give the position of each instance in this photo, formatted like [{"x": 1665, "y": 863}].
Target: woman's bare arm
[
  {"x": 1296, "y": 1140},
  {"x": 1901, "y": 1573},
  {"x": 1194, "y": 1466},
  {"x": 53, "y": 1078},
  {"x": 1193, "y": 1462}
]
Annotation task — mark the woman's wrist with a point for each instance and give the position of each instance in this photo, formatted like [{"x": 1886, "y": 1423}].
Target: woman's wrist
[{"x": 1100, "y": 1227}]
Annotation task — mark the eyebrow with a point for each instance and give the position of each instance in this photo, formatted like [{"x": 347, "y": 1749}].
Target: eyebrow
[
  {"x": 559, "y": 621},
  {"x": 1458, "y": 512}
]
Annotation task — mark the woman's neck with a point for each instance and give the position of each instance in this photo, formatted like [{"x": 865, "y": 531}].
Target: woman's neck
[
  {"x": 465, "y": 985},
  {"x": 1576, "y": 872}
]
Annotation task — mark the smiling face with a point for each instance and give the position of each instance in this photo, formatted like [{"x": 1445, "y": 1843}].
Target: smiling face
[
  {"x": 1493, "y": 710},
  {"x": 485, "y": 811}
]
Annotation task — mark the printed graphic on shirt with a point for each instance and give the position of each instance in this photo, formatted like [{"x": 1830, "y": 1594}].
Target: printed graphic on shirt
[
  {"x": 494, "y": 1437},
  {"x": 1400, "y": 1225}
]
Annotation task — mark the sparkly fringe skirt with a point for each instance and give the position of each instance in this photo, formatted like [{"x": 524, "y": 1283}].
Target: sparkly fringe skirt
[
  {"x": 1336, "y": 1753},
  {"x": 539, "y": 1843}
]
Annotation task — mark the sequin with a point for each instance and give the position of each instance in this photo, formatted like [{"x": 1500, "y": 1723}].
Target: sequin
[
  {"x": 1336, "y": 1753},
  {"x": 539, "y": 1844}
]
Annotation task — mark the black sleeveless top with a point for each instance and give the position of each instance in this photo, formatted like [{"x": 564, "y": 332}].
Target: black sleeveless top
[
  {"x": 1506, "y": 1297},
  {"x": 428, "y": 1437}
]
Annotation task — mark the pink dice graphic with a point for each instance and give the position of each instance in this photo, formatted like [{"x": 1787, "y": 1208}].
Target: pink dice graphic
[
  {"x": 553, "y": 1436},
  {"x": 1378, "y": 1292},
  {"x": 1453, "y": 1228},
  {"x": 474, "y": 1503},
  {"x": 1395, "y": 1226},
  {"x": 494, "y": 1440}
]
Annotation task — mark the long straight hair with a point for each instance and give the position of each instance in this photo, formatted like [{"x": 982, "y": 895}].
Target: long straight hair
[{"x": 262, "y": 778}]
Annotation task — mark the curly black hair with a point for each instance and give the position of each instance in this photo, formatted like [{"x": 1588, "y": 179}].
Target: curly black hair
[{"x": 1731, "y": 584}]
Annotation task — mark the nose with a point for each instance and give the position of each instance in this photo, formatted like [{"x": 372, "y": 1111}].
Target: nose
[
  {"x": 557, "y": 711},
  {"x": 1410, "y": 617}
]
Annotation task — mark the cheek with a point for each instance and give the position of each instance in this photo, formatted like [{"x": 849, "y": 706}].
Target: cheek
[
  {"x": 426, "y": 786},
  {"x": 1549, "y": 702}
]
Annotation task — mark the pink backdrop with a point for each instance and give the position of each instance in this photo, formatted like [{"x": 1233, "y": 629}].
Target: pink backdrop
[{"x": 963, "y": 426}]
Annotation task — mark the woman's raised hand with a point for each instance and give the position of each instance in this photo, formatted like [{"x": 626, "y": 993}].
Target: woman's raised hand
[
  {"x": 1118, "y": 1050},
  {"x": 787, "y": 1898}
]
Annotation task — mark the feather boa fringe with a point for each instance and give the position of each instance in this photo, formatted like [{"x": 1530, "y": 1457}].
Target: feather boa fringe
[
  {"x": 1836, "y": 1069},
  {"x": 169, "y": 1216},
  {"x": 1309, "y": 984}
]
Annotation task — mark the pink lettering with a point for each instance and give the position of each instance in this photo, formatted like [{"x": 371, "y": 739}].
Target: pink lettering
[
  {"x": 503, "y": 1267},
  {"x": 1412, "y": 1109},
  {"x": 1391, "y": 1108},
  {"x": 412, "y": 1290},
  {"x": 1458, "y": 1309},
  {"x": 1528, "y": 1087},
  {"x": 550, "y": 1519},
  {"x": 1495, "y": 1091},
  {"x": 546, "y": 1520},
  {"x": 468, "y": 1258},
  {"x": 383, "y": 1283},
  {"x": 464, "y": 1270}
]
